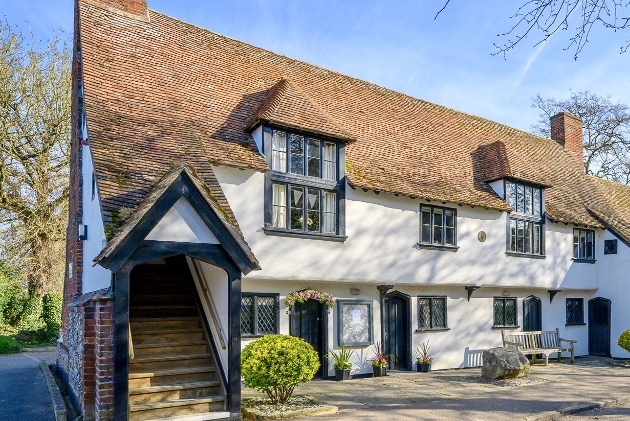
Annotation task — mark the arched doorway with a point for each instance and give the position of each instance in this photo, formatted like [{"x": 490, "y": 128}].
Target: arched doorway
[
  {"x": 397, "y": 330},
  {"x": 599, "y": 326},
  {"x": 532, "y": 314}
]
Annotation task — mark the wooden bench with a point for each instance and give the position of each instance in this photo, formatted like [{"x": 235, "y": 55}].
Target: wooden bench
[{"x": 539, "y": 342}]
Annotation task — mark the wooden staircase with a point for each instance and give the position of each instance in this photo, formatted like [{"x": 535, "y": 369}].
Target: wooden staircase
[{"x": 173, "y": 375}]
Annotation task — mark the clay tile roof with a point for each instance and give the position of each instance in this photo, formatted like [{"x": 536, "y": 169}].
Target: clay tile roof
[
  {"x": 613, "y": 208},
  {"x": 288, "y": 106},
  {"x": 158, "y": 91},
  {"x": 222, "y": 210}
]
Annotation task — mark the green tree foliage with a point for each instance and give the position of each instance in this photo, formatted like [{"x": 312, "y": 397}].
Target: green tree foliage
[
  {"x": 51, "y": 313},
  {"x": 275, "y": 364},
  {"x": 9, "y": 345},
  {"x": 35, "y": 87},
  {"x": 606, "y": 130},
  {"x": 624, "y": 340}
]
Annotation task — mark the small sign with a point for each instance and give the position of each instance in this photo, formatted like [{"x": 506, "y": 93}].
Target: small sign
[{"x": 481, "y": 236}]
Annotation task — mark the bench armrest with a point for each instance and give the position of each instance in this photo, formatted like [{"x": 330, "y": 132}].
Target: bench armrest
[{"x": 571, "y": 341}]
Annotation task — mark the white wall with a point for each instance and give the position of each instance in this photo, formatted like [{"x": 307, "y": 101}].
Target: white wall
[
  {"x": 614, "y": 270},
  {"x": 381, "y": 247},
  {"x": 182, "y": 223},
  {"x": 94, "y": 277}
]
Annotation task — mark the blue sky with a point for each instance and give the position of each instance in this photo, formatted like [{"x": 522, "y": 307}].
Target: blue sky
[{"x": 398, "y": 45}]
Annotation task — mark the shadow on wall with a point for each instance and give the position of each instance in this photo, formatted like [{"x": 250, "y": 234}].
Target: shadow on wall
[{"x": 472, "y": 358}]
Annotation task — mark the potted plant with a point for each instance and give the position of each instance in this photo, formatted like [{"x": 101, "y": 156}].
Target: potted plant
[
  {"x": 379, "y": 362},
  {"x": 342, "y": 363},
  {"x": 423, "y": 358}
]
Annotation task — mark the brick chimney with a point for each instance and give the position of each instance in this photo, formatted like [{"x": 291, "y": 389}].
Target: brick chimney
[
  {"x": 133, "y": 7},
  {"x": 566, "y": 129}
]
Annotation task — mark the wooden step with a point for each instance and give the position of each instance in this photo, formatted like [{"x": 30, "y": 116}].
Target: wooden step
[
  {"x": 172, "y": 376},
  {"x": 159, "y": 362},
  {"x": 152, "y": 323},
  {"x": 167, "y": 300},
  {"x": 172, "y": 392},
  {"x": 146, "y": 411},
  {"x": 166, "y": 336},
  {"x": 163, "y": 311},
  {"x": 170, "y": 349},
  {"x": 206, "y": 416}
]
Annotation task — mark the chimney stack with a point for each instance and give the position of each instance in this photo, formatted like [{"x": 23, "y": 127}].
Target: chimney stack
[
  {"x": 566, "y": 129},
  {"x": 133, "y": 7}
]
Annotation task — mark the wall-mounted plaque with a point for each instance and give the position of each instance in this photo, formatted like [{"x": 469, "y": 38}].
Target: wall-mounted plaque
[{"x": 354, "y": 322}]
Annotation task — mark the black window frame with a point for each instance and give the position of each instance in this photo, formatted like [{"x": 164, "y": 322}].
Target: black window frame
[
  {"x": 289, "y": 180},
  {"x": 431, "y": 299},
  {"x": 255, "y": 296},
  {"x": 528, "y": 220},
  {"x": 610, "y": 246},
  {"x": 569, "y": 303},
  {"x": 504, "y": 300},
  {"x": 581, "y": 250},
  {"x": 431, "y": 243}
]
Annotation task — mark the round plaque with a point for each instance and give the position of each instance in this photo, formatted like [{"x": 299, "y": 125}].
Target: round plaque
[{"x": 481, "y": 236}]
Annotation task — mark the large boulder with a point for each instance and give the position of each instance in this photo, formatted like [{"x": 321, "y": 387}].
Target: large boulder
[{"x": 504, "y": 363}]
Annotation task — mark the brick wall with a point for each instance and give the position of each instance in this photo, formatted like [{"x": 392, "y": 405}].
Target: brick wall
[
  {"x": 104, "y": 362},
  {"x": 566, "y": 129}
]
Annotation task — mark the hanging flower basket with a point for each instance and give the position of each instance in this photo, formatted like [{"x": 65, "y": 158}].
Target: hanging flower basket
[{"x": 309, "y": 294}]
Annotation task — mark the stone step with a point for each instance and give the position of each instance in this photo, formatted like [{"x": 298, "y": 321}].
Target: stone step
[
  {"x": 146, "y": 411},
  {"x": 172, "y": 376},
  {"x": 160, "y": 362},
  {"x": 173, "y": 392}
]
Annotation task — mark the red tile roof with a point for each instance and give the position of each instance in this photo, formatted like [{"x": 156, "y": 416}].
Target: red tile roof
[{"x": 160, "y": 90}]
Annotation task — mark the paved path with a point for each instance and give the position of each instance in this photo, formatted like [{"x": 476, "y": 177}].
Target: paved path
[
  {"x": 617, "y": 413},
  {"x": 23, "y": 392},
  {"x": 461, "y": 395}
]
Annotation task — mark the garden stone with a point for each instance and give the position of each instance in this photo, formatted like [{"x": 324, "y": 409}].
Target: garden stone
[{"x": 504, "y": 363}]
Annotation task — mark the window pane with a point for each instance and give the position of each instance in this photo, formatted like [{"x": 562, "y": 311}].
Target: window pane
[
  {"x": 499, "y": 313},
  {"x": 536, "y": 239},
  {"x": 313, "y": 210},
  {"x": 297, "y": 153},
  {"x": 439, "y": 313},
  {"x": 449, "y": 236},
  {"x": 520, "y": 198},
  {"x": 330, "y": 161},
  {"x": 279, "y": 206},
  {"x": 582, "y": 243},
  {"x": 512, "y": 235},
  {"x": 247, "y": 315},
  {"x": 528, "y": 200},
  {"x": 537, "y": 201},
  {"x": 511, "y": 195},
  {"x": 330, "y": 212},
  {"x": 313, "y": 158},
  {"x": 297, "y": 208},
  {"x": 527, "y": 241},
  {"x": 590, "y": 241},
  {"x": 266, "y": 322},
  {"x": 424, "y": 313},
  {"x": 510, "y": 312},
  {"x": 438, "y": 224},
  {"x": 576, "y": 243},
  {"x": 450, "y": 218},
  {"x": 279, "y": 151},
  {"x": 520, "y": 236}
]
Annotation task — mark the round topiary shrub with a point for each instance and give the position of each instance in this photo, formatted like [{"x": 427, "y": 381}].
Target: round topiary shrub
[
  {"x": 275, "y": 364},
  {"x": 624, "y": 340}
]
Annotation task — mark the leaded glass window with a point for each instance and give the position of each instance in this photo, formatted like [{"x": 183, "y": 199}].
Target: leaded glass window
[
  {"x": 526, "y": 229},
  {"x": 583, "y": 244},
  {"x": 575, "y": 311},
  {"x": 431, "y": 313},
  {"x": 504, "y": 311},
  {"x": 259, "y": 314},
  {"x": 437, "y": 225},
  {"x": 279, "y": 151},
  {"x": 309, "y": 209},
  {"x": 306, "y": 155}
]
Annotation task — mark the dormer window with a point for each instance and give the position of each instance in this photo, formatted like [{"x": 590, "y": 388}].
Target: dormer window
[
  {"x": 526, "y": 227},
  {"x": 305, "y": 185}
]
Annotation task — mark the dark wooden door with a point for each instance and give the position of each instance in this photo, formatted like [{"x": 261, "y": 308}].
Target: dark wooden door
[
  {"x": 309, "y": 321},
  {"x": 532, "y": 314},
  {"x": 599, "y": 326},
  {"x": 397, "y": 331}
]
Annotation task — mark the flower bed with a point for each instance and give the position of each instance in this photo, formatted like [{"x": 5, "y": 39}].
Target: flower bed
[{"x": 260, "y": 409}]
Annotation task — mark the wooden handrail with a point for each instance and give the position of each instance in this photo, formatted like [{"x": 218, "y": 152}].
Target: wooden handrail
[{"x": 211, "y": 307}]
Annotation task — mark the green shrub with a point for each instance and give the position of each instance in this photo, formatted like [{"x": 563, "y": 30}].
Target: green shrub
[
  {"x": 9, "y": 345},
  {"x": 275, "y": 364},
  {"x": 624, "y": 340},
  {"x": 30, "y": 317},
  {"x": 51, "y": 313},
  {"x": 14, "y": 308}
]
